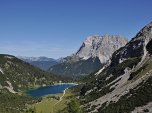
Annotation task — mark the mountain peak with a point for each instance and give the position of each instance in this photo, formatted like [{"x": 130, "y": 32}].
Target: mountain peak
[
  {"x": 125, "y": 80},
  {"x": 150, "y": 24},
  {"x": 91, "y": 39},
  {"x": 41, "y": 62},
  {"x": 30, "y": 59},
  {"x": 100, "y": 46},
  {"x": 144, "y": 32}
]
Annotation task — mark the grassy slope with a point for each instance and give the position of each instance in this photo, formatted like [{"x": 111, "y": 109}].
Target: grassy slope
[
  {"x": 22, "y": 76},
  {"x": 48, "y": 105}
]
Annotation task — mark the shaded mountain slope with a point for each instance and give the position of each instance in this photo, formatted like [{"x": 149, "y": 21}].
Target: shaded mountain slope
[
  {"x": 125, "y": 84},
  {"x": 79, "y": 68},
  {"x": 91, "y": 56},
  {"x": 16, "y": 76},
  {"x": 43, "y": 63}
]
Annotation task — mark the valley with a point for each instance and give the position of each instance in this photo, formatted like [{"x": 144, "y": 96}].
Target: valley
[
  {"x": 75, "y": 56},
  {"x": 121, "y": 85},
  {"x": 16, "y": 77},
  {"x": 53, "y": 103}
]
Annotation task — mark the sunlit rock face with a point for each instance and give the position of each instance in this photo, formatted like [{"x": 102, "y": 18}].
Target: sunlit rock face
[
  {"x": 101, "y": 47},
  {"x": 91, "y": 56},
  {"x": 125, "y": 82}
]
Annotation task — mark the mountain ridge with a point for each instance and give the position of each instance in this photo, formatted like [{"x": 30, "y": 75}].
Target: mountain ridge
[
  {"x": 125, "y": 84},
  {"x": 94, "y": 48},
  {"x": 16, "y": 77},
  {"x": 41, "y": 62}
]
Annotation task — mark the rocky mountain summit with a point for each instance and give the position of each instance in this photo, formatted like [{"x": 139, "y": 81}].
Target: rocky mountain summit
[
  {"x": 101, "y": 47},
  {"x": 124, "y": 86},
  {"x": 91, "y": 56}
]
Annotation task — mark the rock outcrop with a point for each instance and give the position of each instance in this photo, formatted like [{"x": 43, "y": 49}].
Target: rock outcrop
[
  {"x": 124, "y": 86},
  {"x": 92, "y": 55}
]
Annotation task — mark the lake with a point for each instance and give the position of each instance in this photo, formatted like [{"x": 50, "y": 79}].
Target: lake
[{"x": 42, "y": 91}]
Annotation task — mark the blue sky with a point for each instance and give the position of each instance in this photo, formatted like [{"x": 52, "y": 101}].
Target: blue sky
[{"x": 57, "y": 28}]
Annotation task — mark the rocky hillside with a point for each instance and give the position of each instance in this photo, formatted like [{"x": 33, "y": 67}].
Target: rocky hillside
[
  {"x": 16, "y": 76},
  {"x": 92, "y": 55},
  {"x": 125, "y": 85},
  {"x": 43, "y": 63}
]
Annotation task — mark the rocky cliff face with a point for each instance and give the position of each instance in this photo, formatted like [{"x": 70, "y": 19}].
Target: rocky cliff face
[
  {"x": 124, "y": 86},
  {"x": 92, "y": 55},
  {"x": 101, "y": 47},
  {"x": 136, "y": 47}
]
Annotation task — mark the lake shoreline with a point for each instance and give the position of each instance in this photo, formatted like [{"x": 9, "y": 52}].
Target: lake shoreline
[
  {"x": 65, "y": 83},
  {"x": 50, "y": 89},
  {"x": 34, "y": 88}
]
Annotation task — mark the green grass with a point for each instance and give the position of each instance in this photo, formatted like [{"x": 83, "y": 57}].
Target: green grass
[
  {"x": 48, "y": 104},
  {"x": 14, "y": 103}
]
